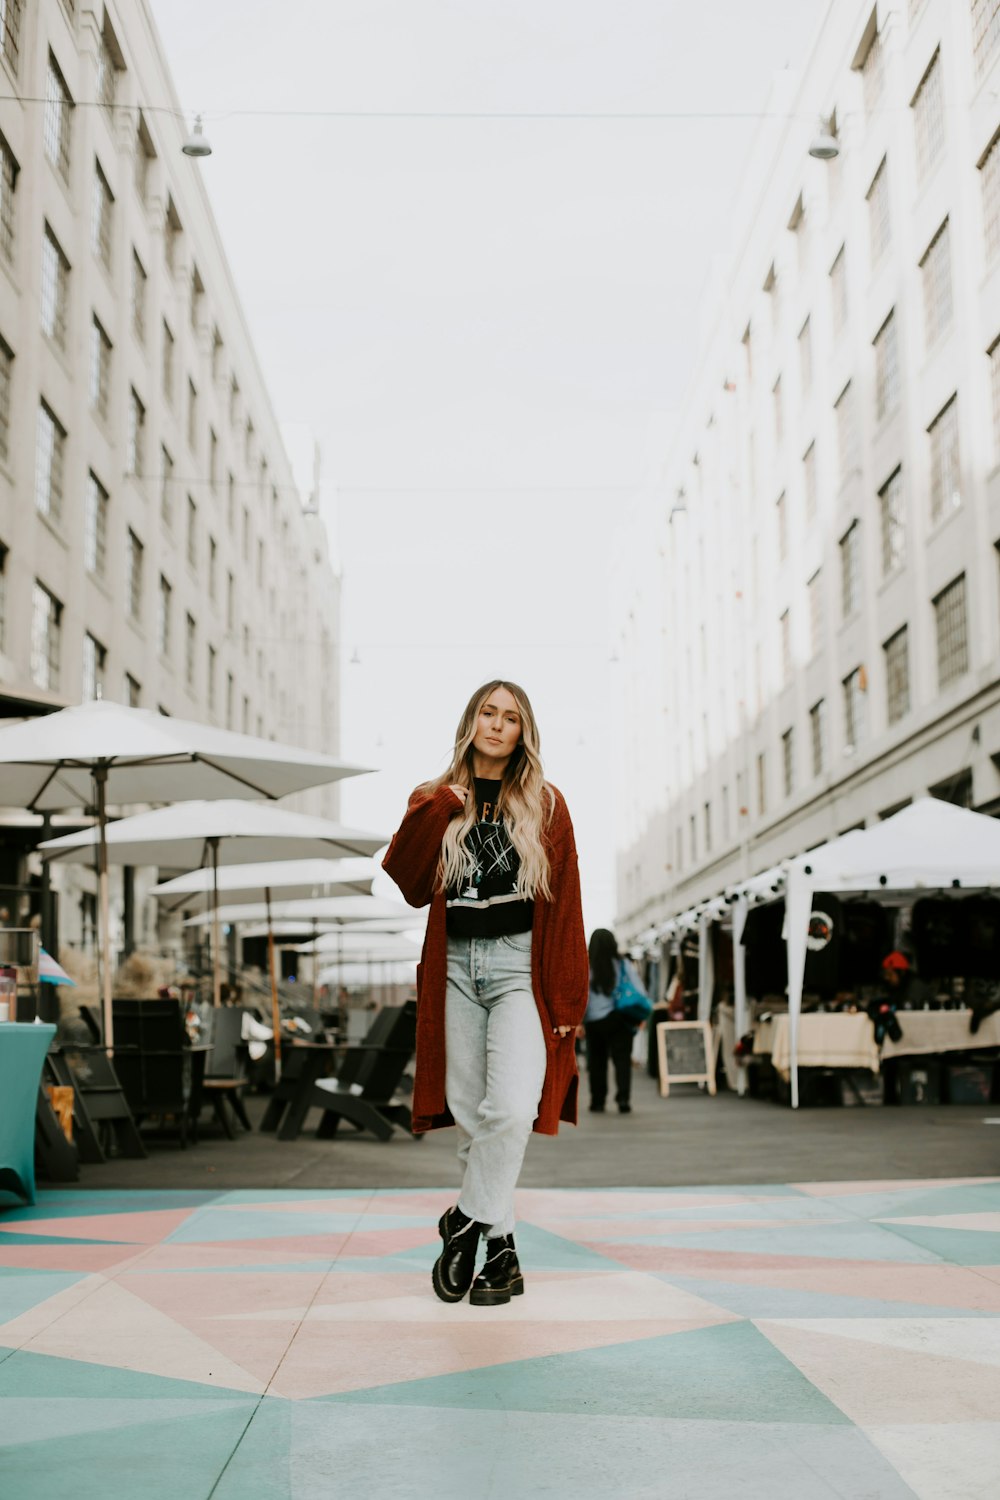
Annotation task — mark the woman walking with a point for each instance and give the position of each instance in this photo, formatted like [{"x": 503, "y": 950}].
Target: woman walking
[
  {"x": 609, "y": 1033},
  {"x": 502, "y": 982}
]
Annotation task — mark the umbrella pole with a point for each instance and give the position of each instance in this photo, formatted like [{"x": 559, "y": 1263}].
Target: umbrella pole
[
  {"x": 216, "y": 969},
  {"x": 315, "y": 962},
  {"x": 275, "y": 1012},
  {"x": 104, "y": 904}
]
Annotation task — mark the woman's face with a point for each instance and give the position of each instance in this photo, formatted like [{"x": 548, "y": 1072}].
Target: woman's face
[{"x": 498, "y": 732}]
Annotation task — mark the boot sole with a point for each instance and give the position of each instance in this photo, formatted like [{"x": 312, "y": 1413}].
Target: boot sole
[{"x": 496, "y": 1296}]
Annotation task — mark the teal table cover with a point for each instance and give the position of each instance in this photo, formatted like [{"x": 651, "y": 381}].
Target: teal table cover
[{"x": 23, "y": 1047}]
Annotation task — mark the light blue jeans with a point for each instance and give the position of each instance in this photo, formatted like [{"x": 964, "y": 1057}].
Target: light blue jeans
[{"x": 495, "y": 1069}]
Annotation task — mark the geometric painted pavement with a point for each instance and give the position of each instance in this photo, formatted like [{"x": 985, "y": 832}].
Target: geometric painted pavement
[{"x": 791, "y": 1340}]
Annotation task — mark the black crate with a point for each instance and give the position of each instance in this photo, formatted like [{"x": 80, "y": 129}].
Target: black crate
[
  {"x": 861, "y": 1087},
  {"x": 969, "y": 1082},
  {"x": 916, "y": 1080}
]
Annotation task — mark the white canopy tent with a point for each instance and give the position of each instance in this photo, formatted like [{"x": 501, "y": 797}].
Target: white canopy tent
[{"x": 929, "y": 846}]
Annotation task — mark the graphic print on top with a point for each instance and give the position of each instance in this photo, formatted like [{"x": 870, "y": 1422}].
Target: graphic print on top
[{"x": 486, "y": 903}]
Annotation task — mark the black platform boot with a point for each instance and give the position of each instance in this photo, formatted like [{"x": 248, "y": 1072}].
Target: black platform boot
[
  {"x": 456, "y": 1265},
  {"x": 500, "y": 1279}
]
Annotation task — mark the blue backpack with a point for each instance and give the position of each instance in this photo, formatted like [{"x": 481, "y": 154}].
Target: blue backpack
[{"x": 630, "y": 999}]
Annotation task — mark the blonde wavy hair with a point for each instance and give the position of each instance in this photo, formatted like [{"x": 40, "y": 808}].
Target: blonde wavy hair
[{"x": 526, "y": 799}]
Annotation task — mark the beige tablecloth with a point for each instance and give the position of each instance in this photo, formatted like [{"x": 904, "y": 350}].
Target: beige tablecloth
[
  {"x": 940, "y": 1031},
  {"x": 826, "y": 1041}
]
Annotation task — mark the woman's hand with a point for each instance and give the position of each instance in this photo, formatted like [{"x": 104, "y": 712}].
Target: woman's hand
[
  {"x": 563, "y": 1030},
  {"x": 461, "y": 792}
]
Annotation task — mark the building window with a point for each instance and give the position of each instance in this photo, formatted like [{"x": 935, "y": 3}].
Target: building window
[
  {"x": 854, "y": 709},
  {"x": 95, "y": 661},
  {"x": 946, "y": 476},
  {"x": 781, "y": 519},
  {"x": 952, "y": 632},
  {"x": 990, "y": 169},
  {"x": 891, "y": 524},
  {"x": 779, "y": 416},
  {"x": 838, "y": 291},
  {"x": 809, "y": 481},
  {"x": 897, "y": 675},
  {"x": 213, "y": 458},
  {"x": 230, "y": 601},
  {"x": 46, "y": 637},
  {"x": 55, "y": 289},
  {"x": 850, "y": 570},
  {"x": 190, "y": 640},
  {"x": 10, "y": 32},
  {"x": 785, "y": 637},
  {"x": 135, "y": 447},
  {"x": 788, "y": 761},
  {"x": 102, "y": 210},
  {"x": 248, "y": 443},
  {"x": 213, "y": 557},
  {"x": 260, "y": 562},
  {"x": 805, "y": 356},
  {"x": 935, "y": 276},
  {"x": 847, "y": 432},
  {"x": 771, "y": 288},
  {"x": 707, "y": 821},
  {"x": 133, "y": 574},
  {"x": 762, "y": 783},
  {"x": 192, "y": 415},
  {"x": 172, "y": 237},
  {"x": 873, "y": 74},
  {"x": 994, "y": 359},
  {"x": 163, "y": 617},
  {"x": 108, "y": 66},
  {"x": 166, "y": 489},
  {"x": 217, "y": 348},
  {"x": 58, "y": 117},
  {"x": 886, "y": 347},
  {"x": 817, "y": 736},
  {"x": 50, "y": 462},
  {"x": 145, "y": 155},
  {"x": 100, "y": 369},
  {"x": 928, "y": 119},
  {"x": 6, "y": 380},
  {"x": 985, "y": 33},
  {"x": 234, "y": 401},
  {"x": 139, "y": 280},
  {"x": 814, "y": 592},
  {"x": 246, "y": 715},
  {"x": 230, "y": 685},
  {"x": 246, "y": 533},
  {"x": 133, "y": 692},
  {"x": 197, "y": 298},
  {"x": 169, "y": 349},
  {"x": 192, "y": 533},
  {"x": 95, "y": 535},
  {"x": 8, "y": 182},
  {"x": 879, "y": 218},
  {"x": 210, "y": 678}
]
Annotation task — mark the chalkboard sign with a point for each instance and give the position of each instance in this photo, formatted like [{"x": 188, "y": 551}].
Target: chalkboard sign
[{"x": 686, "y": 1054}]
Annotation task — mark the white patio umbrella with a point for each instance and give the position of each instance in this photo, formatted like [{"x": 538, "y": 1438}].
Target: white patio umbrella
[
  {"x": 352, "y": 914},
  {"x": 217, "y": 833},
  {"x": 286, "y": 879},
  {"x": 104, "y": 752}
]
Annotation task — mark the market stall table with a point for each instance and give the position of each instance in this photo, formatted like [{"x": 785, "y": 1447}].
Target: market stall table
[
  {"x": 22, "y": 1052},
  {"x": 931, "y": 1031},
  {"x": 827, "y": 1039}
]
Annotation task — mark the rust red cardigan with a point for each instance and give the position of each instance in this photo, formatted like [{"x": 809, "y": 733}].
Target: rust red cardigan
[{"x": 560, "y": 969}]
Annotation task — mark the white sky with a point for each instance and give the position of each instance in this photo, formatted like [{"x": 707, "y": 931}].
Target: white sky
[{"x": 485, "y": 322}]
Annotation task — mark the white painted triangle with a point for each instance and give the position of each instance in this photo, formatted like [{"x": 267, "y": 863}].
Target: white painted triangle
[
  {"x": 20, "y": 1330},
  {"x": 604, "y": 1297},
  {"x": 987, "y": 1222},
  {"x": 40, "y": 1419},
  {"x": 113, "y": 1327},
  {"x": 943, "y": 1461},
  {"x": 975, "y": 1340}
]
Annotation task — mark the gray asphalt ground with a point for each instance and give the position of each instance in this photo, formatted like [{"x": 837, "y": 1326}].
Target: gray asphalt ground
[{"x": 687, "y": 1139}]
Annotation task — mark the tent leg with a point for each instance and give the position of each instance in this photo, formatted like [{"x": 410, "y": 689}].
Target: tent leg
[
  {"x": 275, "y": 1009},
  {"x": 104, "y": 905},
  {"x": 216, "y": 956}
]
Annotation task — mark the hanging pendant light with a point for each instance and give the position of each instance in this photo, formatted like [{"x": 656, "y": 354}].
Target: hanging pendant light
[{"x": 197, "y": 143}]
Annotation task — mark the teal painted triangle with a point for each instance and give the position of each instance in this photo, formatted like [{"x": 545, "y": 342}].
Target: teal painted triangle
[
  {"x": 157, "y": 1460},
  {"x": 27, "y": 1289},
  {"x": 26, "y": 1374},
  {"x": 960, "y": 1247},
  {"x": 53, "y": 1204},
  {"x": 726, "y": 1373},
  {"x": 11, "y": 1237},
  {"x": 920, "y": 1201},
  {"x": 794, "y": 1302}
]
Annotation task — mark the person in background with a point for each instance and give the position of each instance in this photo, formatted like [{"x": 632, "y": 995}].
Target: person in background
[
  {"x": 906, "y": 990},
  {"x": 609, "y": 1034},
  {"x": 502, "y": 982}
]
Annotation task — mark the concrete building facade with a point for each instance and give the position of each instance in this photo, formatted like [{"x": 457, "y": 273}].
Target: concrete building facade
[
  {"x": 810, "y": 623},
  {"x": 155, "y": 547}
]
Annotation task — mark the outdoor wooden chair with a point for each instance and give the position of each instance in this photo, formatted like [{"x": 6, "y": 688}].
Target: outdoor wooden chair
[
  {"x": 161, "y": 1075},
  {"x": 226, "y": 1069},
  {"x": 365, "y": 1091}
]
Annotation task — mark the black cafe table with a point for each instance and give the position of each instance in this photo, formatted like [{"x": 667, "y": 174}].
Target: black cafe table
[{"x": 304, "y": 1063}]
